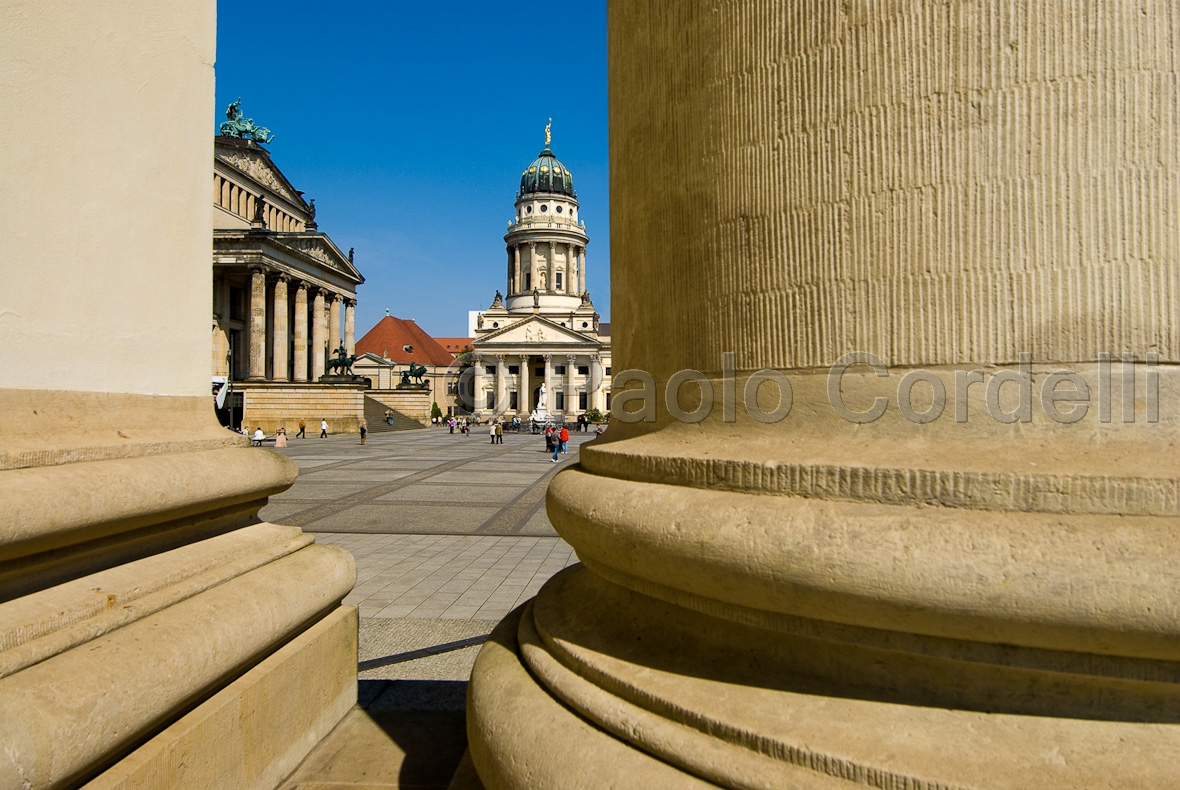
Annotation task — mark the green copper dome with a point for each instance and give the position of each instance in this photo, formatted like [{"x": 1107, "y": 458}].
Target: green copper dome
[{"x": 547, "y": 174}]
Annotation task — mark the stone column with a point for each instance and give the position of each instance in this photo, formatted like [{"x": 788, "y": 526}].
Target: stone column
[
  {"x": 300, "y": 357},
  {"x": 333, "y": 323},
  {"x": 582, "y": 271},
  {"x": 318, "y": 335},
  {"x": 478, "y": 398},
  {"x": 257, "y": 326},
  {"x": 571, "y": 396},
  {"x": 282, "y": 309},
  {"x": 524, "y": 399},
  {"x": 548, "y": 380},
  {"x": 533, "y": 266},
  {"x": 501, "y": 397},
  {"x": 350, "y": 326},
  {"x": 551, "y": 267},
  {"x": 516, "y": 270},
  {"x": 909, "y": 526},
  {"x": 153, "y": 631}
]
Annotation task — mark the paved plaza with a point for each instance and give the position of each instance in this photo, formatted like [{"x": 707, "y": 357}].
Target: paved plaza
[{"x": 449, "y": 534}]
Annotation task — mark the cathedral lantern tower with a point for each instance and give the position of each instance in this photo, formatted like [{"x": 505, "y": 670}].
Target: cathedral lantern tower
[{"x": 546, "y": 239}]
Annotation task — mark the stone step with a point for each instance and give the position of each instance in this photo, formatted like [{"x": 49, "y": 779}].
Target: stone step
[{"x": 375, "y": 418}]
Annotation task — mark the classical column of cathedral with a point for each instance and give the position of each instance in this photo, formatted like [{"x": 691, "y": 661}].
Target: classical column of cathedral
[
  {"x": 318, "y": 332},
  {"x": 300, "y": 356},
  {"x": 582, "y": 271},
  {"x": 571, "y": 396},
  {"x": 479, "y": 400},
  {"x": 501, "y": 405},
  {"x": 333, "y": 323},
  {"x": 533, "y": 272},
  {"x": 548, "y": 381},
  {"x": 885, "y": 513},
  {"x": 257, "y": 326},
  {"x": 281, "y": 344},
  {"x": 350, "y": 326}
]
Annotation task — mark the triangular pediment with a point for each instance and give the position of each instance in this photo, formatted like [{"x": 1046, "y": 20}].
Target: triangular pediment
[
  {"x": 534, "y": 330},
  {"x": 319, "y": 248},
  {"x": 255, "y": 163}
]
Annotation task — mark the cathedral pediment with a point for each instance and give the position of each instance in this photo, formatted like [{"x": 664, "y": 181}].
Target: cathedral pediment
[
  {"x": 255, "y": 163},
  {"x": 534, "y": 330},
  {"x": 320, "y": 249}
]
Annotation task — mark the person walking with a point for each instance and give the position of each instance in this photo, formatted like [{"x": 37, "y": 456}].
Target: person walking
[
  {"x": 364, "y": 431},
  {"x": 499, "y": 432},
  {"x": 323, "y": 429},
  {"x": 565, "y": 438},
  {"x": 302, "y": 430},
  {"x": 492, "y": 431}
]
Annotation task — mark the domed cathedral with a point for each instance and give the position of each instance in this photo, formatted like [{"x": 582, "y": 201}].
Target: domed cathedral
[{"x": 546, "y": 330}]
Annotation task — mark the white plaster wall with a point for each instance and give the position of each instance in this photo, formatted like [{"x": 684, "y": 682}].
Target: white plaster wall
[{"x": 106, "y": 142}]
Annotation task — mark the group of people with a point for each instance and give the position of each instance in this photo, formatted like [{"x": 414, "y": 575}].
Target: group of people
[
  {"x": 557, "y": 440},
  {"x": 496, "y": 431},
  {"x": 259, "y": 436}
]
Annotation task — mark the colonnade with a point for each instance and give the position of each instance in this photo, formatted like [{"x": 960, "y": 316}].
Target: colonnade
[
  {"x": 308, "y": 355},
  {"x": 571, "y": 384},
  {"x": 573, "y": 284}
]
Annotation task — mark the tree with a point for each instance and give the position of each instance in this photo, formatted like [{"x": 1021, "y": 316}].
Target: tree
[
  {"x": 594, "y": 415},
  {"x": 435, "y": 411}
]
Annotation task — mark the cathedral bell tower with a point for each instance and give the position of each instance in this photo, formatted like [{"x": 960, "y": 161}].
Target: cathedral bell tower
[{"x": 546, "y": 240}]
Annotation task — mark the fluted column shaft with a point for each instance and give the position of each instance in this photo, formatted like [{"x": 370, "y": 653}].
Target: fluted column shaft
[
  {"x": 501, "y": 404},
  {"x": 333, "y": 323},
  {"x": 549, "y": 381},
  {"x": 571, "y": 397},
  {"x": 525, "y": 398},
  {"x": 257, "y": 326},
  {"x": 282, "y": 309},
  {"x": 350, "y": 326},
  {"x": 516, "y": 284},
  {"x": 582, "y": 271},
  {"x": 300, "y": 355},
  {"x": 318, "y": 335},
  {"x": 479, "y": 399}
]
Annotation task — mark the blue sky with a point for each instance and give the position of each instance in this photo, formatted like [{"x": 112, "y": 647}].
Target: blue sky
[{"x": 410, "y": 123}]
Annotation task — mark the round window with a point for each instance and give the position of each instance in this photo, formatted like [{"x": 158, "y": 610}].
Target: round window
[
  {"x": 544, "y": 207},
  {"x": 559, "y": 209},
  {"x": 496, "y": 325},
  {"x": 584, "y": 325},
  {"x": 529, "y": 209}
]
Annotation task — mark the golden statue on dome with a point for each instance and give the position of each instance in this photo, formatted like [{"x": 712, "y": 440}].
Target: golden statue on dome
[{"x": 548, "y": 136}]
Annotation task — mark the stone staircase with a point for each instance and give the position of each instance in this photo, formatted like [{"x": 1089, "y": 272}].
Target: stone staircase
[{"x": 375, "y": 418}]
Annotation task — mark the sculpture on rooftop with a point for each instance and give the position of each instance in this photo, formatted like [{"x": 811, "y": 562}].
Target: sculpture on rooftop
[{"x": 235, "y": 125}]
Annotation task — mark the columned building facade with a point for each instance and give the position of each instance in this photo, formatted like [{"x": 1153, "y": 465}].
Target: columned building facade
[
  {"x": 546, "y": 330},
  {"x": 284, "y": 296}
]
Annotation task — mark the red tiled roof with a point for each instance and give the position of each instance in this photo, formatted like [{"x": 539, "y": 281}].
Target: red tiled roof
[
  {"x": 455, "y": 344},
  {"x": 391, "y": 334}
]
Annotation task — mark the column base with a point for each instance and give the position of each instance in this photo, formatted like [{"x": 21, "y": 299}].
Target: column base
[{"x": 593, "y": 685}]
